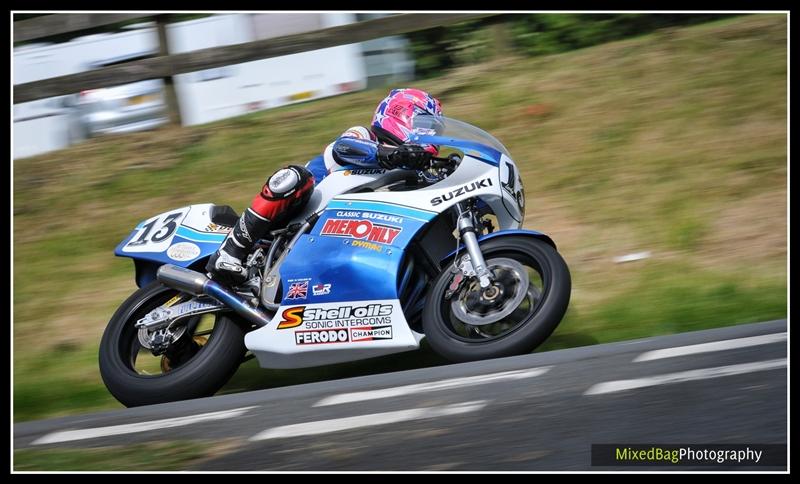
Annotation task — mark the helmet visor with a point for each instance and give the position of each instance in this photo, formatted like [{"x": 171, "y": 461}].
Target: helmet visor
[{"x": 427, "y": 124}]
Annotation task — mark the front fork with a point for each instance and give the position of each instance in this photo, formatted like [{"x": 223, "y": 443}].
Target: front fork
[{"x": 466, "y": 228}]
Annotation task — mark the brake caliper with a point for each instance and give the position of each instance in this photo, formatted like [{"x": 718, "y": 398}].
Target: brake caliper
[{"x": 455, "y": 284}]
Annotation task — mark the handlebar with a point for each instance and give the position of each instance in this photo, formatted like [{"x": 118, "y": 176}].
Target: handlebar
[{"x": 449, "y": 162}]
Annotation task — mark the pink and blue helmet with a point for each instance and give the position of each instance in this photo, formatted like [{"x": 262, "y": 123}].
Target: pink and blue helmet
[{"x": 395, "y": 114}]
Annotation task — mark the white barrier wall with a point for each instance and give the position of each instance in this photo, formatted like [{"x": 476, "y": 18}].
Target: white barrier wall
[
  {"x": 215, "y": 94},
  {"x": 204, "y": 96},
  {"x": 43, "y": 125}
]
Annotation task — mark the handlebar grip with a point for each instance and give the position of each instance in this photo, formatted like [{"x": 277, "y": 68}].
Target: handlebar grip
[{"x": 439, "y": 162}]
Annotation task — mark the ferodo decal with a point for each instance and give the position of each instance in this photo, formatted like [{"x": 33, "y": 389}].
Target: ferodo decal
[
  {"x": 321, "y": 336},
  {"x": 360, "y": 230},
  {"x": 461, "y": 191},
  {"x": 337, "y": 317}
]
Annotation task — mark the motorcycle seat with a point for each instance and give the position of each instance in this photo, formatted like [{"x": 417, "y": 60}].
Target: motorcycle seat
[{"x": 224, "y": 215}]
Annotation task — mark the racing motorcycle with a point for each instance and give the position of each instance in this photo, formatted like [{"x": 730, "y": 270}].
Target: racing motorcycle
[{"x": 377, "y": 260}]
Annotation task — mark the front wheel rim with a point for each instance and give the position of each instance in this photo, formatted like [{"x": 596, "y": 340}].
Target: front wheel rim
[{"x": 532, "y": 301}]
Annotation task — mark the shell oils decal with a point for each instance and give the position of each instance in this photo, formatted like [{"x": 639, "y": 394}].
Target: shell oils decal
[{"x": 345, "y": 317}]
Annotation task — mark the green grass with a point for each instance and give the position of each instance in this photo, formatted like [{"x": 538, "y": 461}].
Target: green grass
[
  {"x": 153, "y": 456},
  {"x": 672, "y": 143},
  {"x": 671, "y": 298}
]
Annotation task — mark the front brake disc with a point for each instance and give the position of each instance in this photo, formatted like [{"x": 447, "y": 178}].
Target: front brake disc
[{"x": 511, "y": 286}]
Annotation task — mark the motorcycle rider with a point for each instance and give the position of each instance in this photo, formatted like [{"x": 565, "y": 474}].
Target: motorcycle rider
[{"x": 382, "y": 145}]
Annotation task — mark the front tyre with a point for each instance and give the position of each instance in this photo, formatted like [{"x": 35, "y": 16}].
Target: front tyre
[
  {"x": 513, "y": 316},
  {"x": 197, "y": 365}
]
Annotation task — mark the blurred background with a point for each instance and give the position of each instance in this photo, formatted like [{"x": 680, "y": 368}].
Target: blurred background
[{"x": 653, "y": 149}]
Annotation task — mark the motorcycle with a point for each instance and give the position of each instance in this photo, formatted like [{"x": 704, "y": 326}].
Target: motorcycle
[{"x": 375, "y": 262}]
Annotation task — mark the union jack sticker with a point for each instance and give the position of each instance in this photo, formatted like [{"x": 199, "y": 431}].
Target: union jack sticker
[{"x": 297, "y": 290}]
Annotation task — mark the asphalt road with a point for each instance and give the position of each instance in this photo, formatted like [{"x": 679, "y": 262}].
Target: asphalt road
[{"x": 533, "y": 412}]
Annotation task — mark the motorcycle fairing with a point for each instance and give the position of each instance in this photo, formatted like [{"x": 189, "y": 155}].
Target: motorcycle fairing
[
  {"x": 350, "y": 259},
  {"x": 360, "y": 329}
]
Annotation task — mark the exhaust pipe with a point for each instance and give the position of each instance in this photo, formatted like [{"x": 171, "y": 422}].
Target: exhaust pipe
[{"x": 198, "y": 284}]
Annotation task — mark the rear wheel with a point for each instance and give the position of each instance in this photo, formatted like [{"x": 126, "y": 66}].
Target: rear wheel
[
  {"x": 513, "y": 316},
  {"x": 196, "y": 364}
]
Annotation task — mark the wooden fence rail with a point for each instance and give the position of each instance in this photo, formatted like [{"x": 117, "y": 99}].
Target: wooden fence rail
[
  {"x": 63, "y": 23},
  {"x": 170, "y": 65}
]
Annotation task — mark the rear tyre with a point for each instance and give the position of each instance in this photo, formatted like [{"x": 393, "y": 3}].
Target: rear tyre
[{"x": 197, "y": 365}]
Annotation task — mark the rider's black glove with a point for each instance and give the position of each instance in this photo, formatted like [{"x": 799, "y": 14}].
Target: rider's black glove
[{"x": 410, "y": 157}]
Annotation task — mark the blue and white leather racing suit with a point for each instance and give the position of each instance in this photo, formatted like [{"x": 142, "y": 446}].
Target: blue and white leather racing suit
[{"x": 358, "y": 146}]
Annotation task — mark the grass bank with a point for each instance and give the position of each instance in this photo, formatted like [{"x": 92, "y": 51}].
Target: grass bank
[{"x": 673, "y": 143}]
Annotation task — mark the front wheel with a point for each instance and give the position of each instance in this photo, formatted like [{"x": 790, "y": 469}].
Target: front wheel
[
  {"x": 197, "y": 364},
  {"x": 517, "y": 313}
]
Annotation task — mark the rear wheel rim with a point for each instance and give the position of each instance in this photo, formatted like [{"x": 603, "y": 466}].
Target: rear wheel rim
[{"x": 139, "y": 360}]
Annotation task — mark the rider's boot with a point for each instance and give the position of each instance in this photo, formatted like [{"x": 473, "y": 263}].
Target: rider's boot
[{"x": 284, "y": 193}]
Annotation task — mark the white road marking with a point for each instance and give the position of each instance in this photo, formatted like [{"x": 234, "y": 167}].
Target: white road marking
[
  {"x": 360, "y": 421},
  {"x": 431, "y": 386},
  {"x": 69, "y": 435},
  {"x": 713, "y": 346},
  {"x": 702, "y": 374}
]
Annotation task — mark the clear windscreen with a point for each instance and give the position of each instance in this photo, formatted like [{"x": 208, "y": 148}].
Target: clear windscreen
[{"x": 452, "y": 128}]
